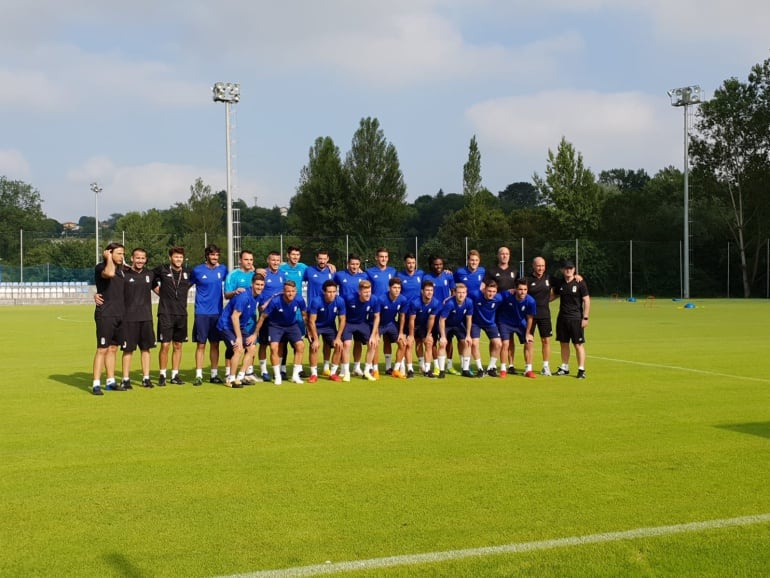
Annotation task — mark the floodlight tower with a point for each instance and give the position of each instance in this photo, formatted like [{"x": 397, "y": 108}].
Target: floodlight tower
[
  {"x": 229, "y": 93},
  {"x": 97, "y": 189},
  {"x": 685, "y": 97}
]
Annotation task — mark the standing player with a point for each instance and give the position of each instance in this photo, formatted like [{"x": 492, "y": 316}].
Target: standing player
[
  {"x": 280, "y": 317},
  {"x": 574, "y": 306},
  {"x": 411, "y": 288},
  {"x": 317, "y": 275},
  {"x": 422, "y": 317},
  {"x": 472, "y": 275},
  {"x": 516, "y": 317},
  {"x": 323, "y": 332},
  {"x": 138, "y": 330},
  {"x": 109, "y": 279},
  {"x": 485, "y": 319},
  {"x": 455, "y": 321},
  {"x": 539, "y": 287},
  {"x": 239, "y": 280},
  {"x": 208, "y": 278},
  {"x": 443, "y": 288},
  {"x": 237, "y": 324},
  {"x": 381, "y": 273},
  {"x": 274, "y": 282},
  {"x": 362, "y": 324},
  {"x": 294, "y": 270},
  {"x": 348, "y": 282},
  {"x": 171, "y": 283},
  {"x": 502, "y": 273}
]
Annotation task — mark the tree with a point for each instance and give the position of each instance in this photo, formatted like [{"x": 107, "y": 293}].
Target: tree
[
  {"x": 204, "y": 211},
  {"x": 731, "y": 157},
  {"x": 520, "y": 195},
  {"x": 146, "y": 231},
  {"x": 318, "y": 208},
  {"x": 625, "y": 180},
  {"x": 472, "y": 170},
  {"x": 570, "y": 192},
  {"x": 376, "y": 202},
  {"x": 20, "y": 209}
]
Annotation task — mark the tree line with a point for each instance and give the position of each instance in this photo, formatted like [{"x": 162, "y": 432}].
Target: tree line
[{"x": 359, "y": 199}]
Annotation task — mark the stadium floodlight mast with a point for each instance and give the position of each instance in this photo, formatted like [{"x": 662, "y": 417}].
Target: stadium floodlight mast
[
  {"x": 229, "y": 93},
  {"x": 684, "y": 97},
  {"x": 97, "y": 189}
]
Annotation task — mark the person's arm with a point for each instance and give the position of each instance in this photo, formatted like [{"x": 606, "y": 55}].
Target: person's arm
[
  {"x": 236, "y": 319},
  {"x": 109, "y": 265},
  {"x": 586, "y": 310}
]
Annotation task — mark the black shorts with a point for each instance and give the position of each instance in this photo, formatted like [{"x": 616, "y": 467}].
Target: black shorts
[
  {"x": 205, "y": 329},
  {"x": 109, "y": 331},
  {"x": 138, "y": 334},
  {"x": 543, "y": 326},
  {"x": 569, "y": 330},
  {"x": 172, "y": 328}
]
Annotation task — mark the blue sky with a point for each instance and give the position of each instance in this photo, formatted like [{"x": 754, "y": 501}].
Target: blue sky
[{"x": 120, "y": 93}]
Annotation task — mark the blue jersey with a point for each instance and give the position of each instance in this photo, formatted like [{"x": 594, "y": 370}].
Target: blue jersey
[
  {"x": 247, "y": 305},
  {"x": 238, "y": 279},
  {"x": 208, "y": 288},
  {"x": 296, "y": 273},
  {"x": 514, "y": 312},
  {"x": 423, "y": 311},
  {"x": 274, "y": 283},
  {"x": 485, "y": 310},
  {"x": 283, "y": 314},
  {"x": 326, "y": 313},
  {"x": 455, "y": 313},
  {"x": 472, "y": 280},
  {"x": 315, "y": 279},
  {"x": 411, "y": 285},
  {"x": 358, "y": 311},
  {"x": 390, "y": 310},
  {"x": 443, "y": 285},
  {"x": 348, "y": 283},
  {"x": 380, "y": 279}
]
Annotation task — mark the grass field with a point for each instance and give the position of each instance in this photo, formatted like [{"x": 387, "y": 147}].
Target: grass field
[{"x": 671, "y": 427}]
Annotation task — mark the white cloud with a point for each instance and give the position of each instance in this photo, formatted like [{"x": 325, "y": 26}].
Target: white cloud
[
  {"x": 13, "y": 165},
  {"x": 629, "y": 130}
]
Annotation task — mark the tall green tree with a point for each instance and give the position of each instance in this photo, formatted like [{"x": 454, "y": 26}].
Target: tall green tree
[
  {"x": 731, "y": 157},
  {"x": 376, "y": 201},
  {"x": 20, "y": 209},
  {"x": 570, "y": 192},
  {"x": 521, "y": 195},
  {"x": 472, "y": 170},
  {"x": 204, "y": 211},
  {"x": 147, "y": 231},
  {"x": 318, "y": 209}
]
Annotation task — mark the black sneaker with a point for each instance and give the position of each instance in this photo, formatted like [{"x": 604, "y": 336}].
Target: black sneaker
[
  {"x": 466, "y": 373},
  {"x": 581, "y": 374},
  {"x": 176, "y": 380},
  {"x": 492, "y": 372},
  {"x": 162, "y": 381},
  {"x": 479, "y": 373},
  {"x": 410, "y": 374},
  {"x": 97, "y": 390},
  {"x": 115, "y": 387},
  {"x": 303, "y": 375},
  {"x": 147, "y": 383},
  {"x": 389, "y": 371},
  {"x": 562, "y": 371},
  {"x": 127, "y": 384},
  {"x": 284, "y": 375},
  {"x": 442, "y": 374},
  {"x": 216, "y": 379},
  {"x": 428, "y": 374}
]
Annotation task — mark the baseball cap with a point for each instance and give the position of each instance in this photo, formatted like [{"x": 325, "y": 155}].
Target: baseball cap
[{"x": 567, "y": 264}]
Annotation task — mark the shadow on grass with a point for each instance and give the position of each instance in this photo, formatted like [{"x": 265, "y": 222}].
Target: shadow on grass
[
  {"x": 760, "y": 428},
  {"x": 81, "y": 380},
  {"x": 123, "y": 566}
]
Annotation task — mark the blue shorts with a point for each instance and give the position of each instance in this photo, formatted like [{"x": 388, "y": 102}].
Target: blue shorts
[
  {"x": 491, "y": 330},
  {"x": 507, "y": 331},
  {"x": 205, "y": 329},
  {"x": 360, "y": 332},
  {"x": 458, "y": 331},
  {"x": 327, "y": 335},
  {"x": 390, "y": 331},
  {"x": 420, "y": 332},
  {"x": 291, "y": 334}
]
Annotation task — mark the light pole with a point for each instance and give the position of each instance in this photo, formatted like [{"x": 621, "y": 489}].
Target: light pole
[
  {"x": 96, "y": 189},
  {"x": 685, "y": 97},
  {"x": 229, "y": 93}
]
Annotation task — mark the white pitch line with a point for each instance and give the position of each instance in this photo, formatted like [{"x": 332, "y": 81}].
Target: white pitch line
[
  {"x": 679, "y": 368},
  {"x": 432, "y": 557}
]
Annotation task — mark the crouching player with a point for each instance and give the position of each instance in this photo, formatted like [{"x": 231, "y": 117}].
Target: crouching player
[
  {"x": 485, "y": 318},
  {"x": 455, "y": 321},
  {"x": 322, "y": 315},
  {"x": 422, "y": 317},
  {"x": 237, "y": 325},
  {"x": 362, "y": 324},
  {"x": 394, "y": 308},
  {"x": 517, "y": 316},
  {"x": 282, "y": 314}
]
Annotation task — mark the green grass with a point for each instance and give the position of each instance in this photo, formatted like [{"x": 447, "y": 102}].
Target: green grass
[{"x": 208, "y": 481}]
